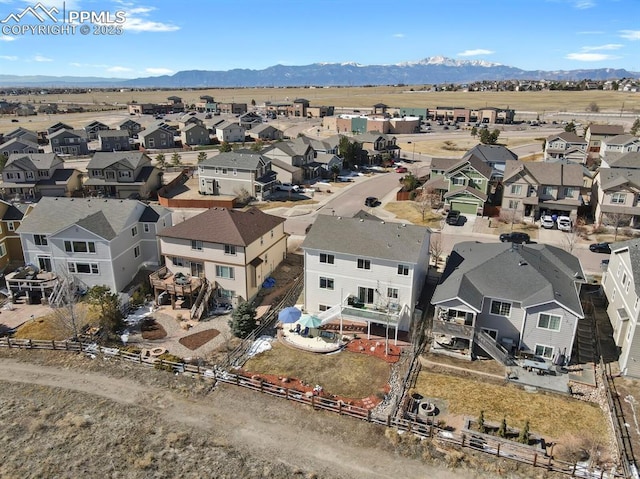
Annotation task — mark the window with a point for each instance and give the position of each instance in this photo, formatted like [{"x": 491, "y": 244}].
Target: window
[
  {"x": 457, "y": 181},
  {"x": 11, "y": 226},
  {"x": 136, "y": 251},
  {"x": 226, "y": 294},
  {"x": 327, "y": 258},
  {"x": 145, "y": 227},
  {"x": 40, "y": 240},
  {"x": 79, "y": 246},
  {"x": 516, "y": 189},
  {"x": 3, "y": 250},
  {"x": 196, "y": 244},
  {"x": 323, "y": 307},
  {"x": 43, "y": 174},
  {"x": 392, "y": 293},
  {"x": 568, "y": 192},
  {"x": 326, "y": 283},
  {"x": 364, "y": 264},
  {"x": 549, "y": 321},
  {"x": 618, "y": 198},
  {"x": 513, "y": 204},
  {"x": 124, "y": 174},
  {"x": 544, "y": 351},
  {"x": 83, "y": 268},
  {"x": 366, "y": 295},
  {"x": 224, "y": 171},
  {"x": 134, "y": 231},
  {"x": 229, "y": 249},
  {"x": 500, "y": 309},
  {"x": 613, "y": 295},
  {"x": 403, "y": 270},
  {"x": 152, "y": 142},
  {"x": 547, "y": 191},
  {"x": 224, "y": 272},
  {"x": 272, "y": 233},
  {"x": 177, "y": 261}
]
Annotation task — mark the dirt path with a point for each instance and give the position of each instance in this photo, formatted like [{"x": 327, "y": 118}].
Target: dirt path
[{"x": 266, "y": 428}]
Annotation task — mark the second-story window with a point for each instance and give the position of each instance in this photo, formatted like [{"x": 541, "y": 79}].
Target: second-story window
[
  {"x": 134, "y": 231},
  {"x": 40, "y": 240},
  {"x": 229, "y": 249},
  {"x": 618, "y": 198},
  {"x": 11, "y": 226},
  {"x": 196, "y": 244},
  {"x": 547, "y": 190},
  {"x": 79, "y": 246},
  {"x": 516, "y": 189},
  {"x": 568, "y": 192},
  {"x": 364, "y": 263}
]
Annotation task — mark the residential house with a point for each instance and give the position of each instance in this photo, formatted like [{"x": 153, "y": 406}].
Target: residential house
[
  {"x": 378, "y": 145},
  {"x": 18, "y": 145},
  {"x": 237, "y": 174},
  {"x": 629, "y": 160},
  {"x": 69, "y": 142},
  {"x": 565, "y": 145},
  {"x": 621, "y": 286},
  {"x": 92, "y": 129},
  {"x": 233, "y": 250},
  {"x": 265, "y": 132},
  {"x": 536, "y": 188},
  {"x": 31, "y": 176},
  {"x": 249, "y": 120},
  {"x": 324, "y": 145},
  {"x": 195, "y": 134},
  {"x": 113, "y": 140},
  {"x": 502, "y": 298},
  {"x": 157, "y": 137},
  {"x": 367, "y": 271},
  {"x": 10, "y": 248},
  {"x": 496, "y": 156},
  {"x": 187, "y": 119},
  {"x": 122, "y": 175},
  {"x": 131, "y": 126},
  {"x": 616, "y": 146},
  {"x": 296, "y": 154},
  {"x": 58, "y": 126},
  {"x": 23, "y": 134},
  {"x": 229, "y": 132},
  {"x": 287, "y": 173},
  {"x": 329, "y": 163},
  {"x": 95, "y": 241},
  {"x": 594, "y": 134},
  {"x": 615, "y": 196},
  {"x": 207, "y": 104}
]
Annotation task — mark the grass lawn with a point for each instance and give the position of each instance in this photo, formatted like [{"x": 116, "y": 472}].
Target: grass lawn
[
  {"x": 54, "y": 326},
  {"x": 344, "y": 374},
  {"x": 550, "y": 415},
  {"x": 458, "y": 146},
  {"x": 285, "y": 204},
  {"x": 407, "y": 211}
]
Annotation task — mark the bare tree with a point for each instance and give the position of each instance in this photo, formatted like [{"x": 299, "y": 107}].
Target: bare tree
[
  {"x": 570, "y": 240},
  {"x": 616, "y": 220},
  {"x": 69, "y": 314},
  {"x": 427, "y": 199},
  {"x": 436, "y": 248}
]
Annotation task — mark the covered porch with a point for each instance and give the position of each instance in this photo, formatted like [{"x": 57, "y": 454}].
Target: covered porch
[
  {"x": 180, "y": 290},
  {"x": 453, "y": 330}
]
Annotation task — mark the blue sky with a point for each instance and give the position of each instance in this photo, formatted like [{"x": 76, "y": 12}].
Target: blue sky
[{"x": 163, "y": 37}]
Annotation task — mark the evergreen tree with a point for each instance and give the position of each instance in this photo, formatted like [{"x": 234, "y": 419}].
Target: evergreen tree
[
  {"x": 636, "y": 127},
  {"x": 481, "y": 426},
  {"x": 225, "y": 147},
  {"x": 524, "y": 433},
  {"x": 243, "y": 320},
  {"x": 161, "y": 159},
  {"x": 202, "y": 156},
  {"x": 502, "y": 430},
  {"x": 176, "y": 159}
]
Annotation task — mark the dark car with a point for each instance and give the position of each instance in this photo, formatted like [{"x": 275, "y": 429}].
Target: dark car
[
  {"x": 371, "y": 201},
  {"x": 515, "y": 237},
  {"x": 600, "y": 248},
  {"x": 453, "y": 217}
]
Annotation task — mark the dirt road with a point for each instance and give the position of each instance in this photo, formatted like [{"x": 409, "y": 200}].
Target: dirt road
[{"x": 75, "y": 414}]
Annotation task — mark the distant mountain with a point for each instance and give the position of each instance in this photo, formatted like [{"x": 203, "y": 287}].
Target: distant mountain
[{"x": 431, "y": 70}]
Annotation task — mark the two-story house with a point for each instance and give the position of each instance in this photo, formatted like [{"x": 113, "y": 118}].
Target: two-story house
[
  {"x": 10, "y": 248},
  {"x": 503, "y": 298},
  {"x": 113, "y": 140},
  {"x": 365, "y": 270},
  {"x": 249, "y": 120},
  {"x": 468, "y": 185},
  {"x": 621, "y": 285},
  {"x": 535, "y": 188},
  {"x": 616, "y": 146},
  {"x": 95, "y": 241},
  {"x": 30, "y": 176},
  {"x": 122, "y": 175},
  {"x": 195, "y": 134},
  {"x": 18, "y": 145},
  {"x": 92, "y": 129},
  {"x": 236, "y": 174},
  {"x": 69, "y": 142},
  {"x": 565, "y": 145},
  {"x": 594, "y": 134},
  {"x": 157, "y": 137},
  {"x": 265, "y": 132},
  {"x": 297, "y": 154},
  {"x": 233, "y": 250},
  {"x": 376, "y": 145},
  {"x": 23, "y": 134},
  {"x": 229, "y": 132},
  {"x": 131, "y": 126},
  {"x": 616, "y": 192},
  {"x": 57, "y": 127}
]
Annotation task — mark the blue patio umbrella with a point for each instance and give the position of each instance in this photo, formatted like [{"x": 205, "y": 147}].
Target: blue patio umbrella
[
  {"x": 289, "y": 315},
  {"x": 309, "y": 321}
]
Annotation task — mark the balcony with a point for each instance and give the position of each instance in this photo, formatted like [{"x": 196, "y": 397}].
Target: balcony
[
  {"x": 452, "y": 322},
  {"x": 371, "y": 315}
]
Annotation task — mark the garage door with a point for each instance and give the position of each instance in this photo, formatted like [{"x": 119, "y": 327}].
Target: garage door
[{"x": 465, "y": 208}]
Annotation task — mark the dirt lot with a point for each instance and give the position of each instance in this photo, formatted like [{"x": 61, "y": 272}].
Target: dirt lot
[{"x": 66, "y": 416}]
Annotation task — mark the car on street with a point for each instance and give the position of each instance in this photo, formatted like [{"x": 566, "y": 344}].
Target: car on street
[
  {"x": 371, "y": 201},
  {"x": 401, "y": 169},
  {"x": 515, "y": 237},
  {"x": 547, "y": 222},
  {"x": 565, "y": 223},
  {"x": 287, "y": 187},
  {"x": 600, "y": 248},
  {"x": 453, "y": 217}
]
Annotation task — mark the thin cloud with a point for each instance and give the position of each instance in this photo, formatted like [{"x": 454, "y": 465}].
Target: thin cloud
[
  {"x": 589, "y": 57},
  {"x": 476, "y": 52},
  {"x": 6, "y": 38},
  {"x": 119, "y": 69},
  {"x": 40, "y": 58},
  {"x": 137, "y": 19},
  {"x": 10, "y": 58},
  {"x": 158, "y": 71},
  {"x": 87, "y": 65},
  {"x": 630, "y": 34},
  {"x": 584, "y": 4},
  {"x": 608, "y": 46},
  {"x": 399, "y": 35}
]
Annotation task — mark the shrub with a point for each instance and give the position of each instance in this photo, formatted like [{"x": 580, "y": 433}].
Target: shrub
[
  {"x": 523, "y": 437},
  {"x": 167, "y": 357}
]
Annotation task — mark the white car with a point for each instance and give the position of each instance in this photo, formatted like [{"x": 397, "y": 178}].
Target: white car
[
  {"x": 547, "y": 222},
  {"x": 565, "y": 223},
  {"x": 287, "y": 187}
]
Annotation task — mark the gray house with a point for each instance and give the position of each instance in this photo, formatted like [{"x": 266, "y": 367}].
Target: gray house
[
  {"x": 502, "y": 298},
  {"x": 195, "y": 134},
  {"x": 69, "y": 142},
  {"x": 97, "y": 242},
  {"x": 235, "y": 174},
  {"x": 265, "y": 132},
  {"x": 122, "y": 175},
  {"x": 93, "y": 128},
  {"x": 113, "y": 140},
  {"x": 18, "y": 145},
  {"x": 157, "y": 137},
  {"x": 131, "y": 126},
  {"x": 23, "y": 134},
  {"x": 229, "y": 132}
]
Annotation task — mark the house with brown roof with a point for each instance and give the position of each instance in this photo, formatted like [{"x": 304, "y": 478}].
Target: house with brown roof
[
  {"x": 533, "y": 188},
  {"x": 565, "y": 145},
  {"x": 10, "y": 247},
  {"x": 616, "y": 196},
  {"x": 235, "y": 251},
  {"x": 265, "y": 132},
  {"x": 594, "y": 135},
  {"x": 298, "y": 154}
]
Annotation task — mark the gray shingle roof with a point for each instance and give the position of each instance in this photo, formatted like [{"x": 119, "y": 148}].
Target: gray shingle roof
[
  {"x": 33, "y": 161},
  {"x": 546, "y": 172},
  {"x": 113, "y": 134},
  {"x": 620, "y": 139},
  {"x": 529, "y": 274},
  {"x": 106, "y": 218},
  {"x": 626, "y": 160},
  {"x": 372, "y": 239},
  {"x": 492, "y": 153},
  {"x": 568, "y": 136},
  {"x": 232, "y": 159},
  {"x": 104, "y": 159},
  {"x": 64, "y": 132},
  {"x": 616, "y": 177}
]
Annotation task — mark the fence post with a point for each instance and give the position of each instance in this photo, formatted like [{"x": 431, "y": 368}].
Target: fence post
[
  {"x": 573, "y": 472},
  {"x": 53, "y": 344},
  {"x": 261, "y": 386},
  {"x": 368, "y": 415},
  {"x": 388, "y": 420},
  {"x": 313, "y": 402},
  {"x": 66, "y": 345},
  {"x": 535, "y": 458},
  {"x": 498, "y": 452},
  {"x": 286, "y": 393},
  {"x": 8, "y": 342},
  {"x": 30, "y": 344},
  {"x": 462, "y": 443},
  {"x": 237, "y": 380},
  {"x": 340, "y": 408}
]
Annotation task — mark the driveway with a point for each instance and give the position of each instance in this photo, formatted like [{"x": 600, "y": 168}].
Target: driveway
[{"x": 464, "y": 227}]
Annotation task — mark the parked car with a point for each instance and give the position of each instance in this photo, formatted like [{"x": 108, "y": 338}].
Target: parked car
[
  {"x": 287, "y": 187},
  {"x": 515, "y": 237},
  {"x": 600, "y": 248},
  {"x": 565, "y": 223},
  {"x": 15, "y": 121},
  {"x": 547, "y": 222},
  {"x": 453, "y": 217},
  {"x": 401, "y": 169},
  {"x": 371, "y": 201}
]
